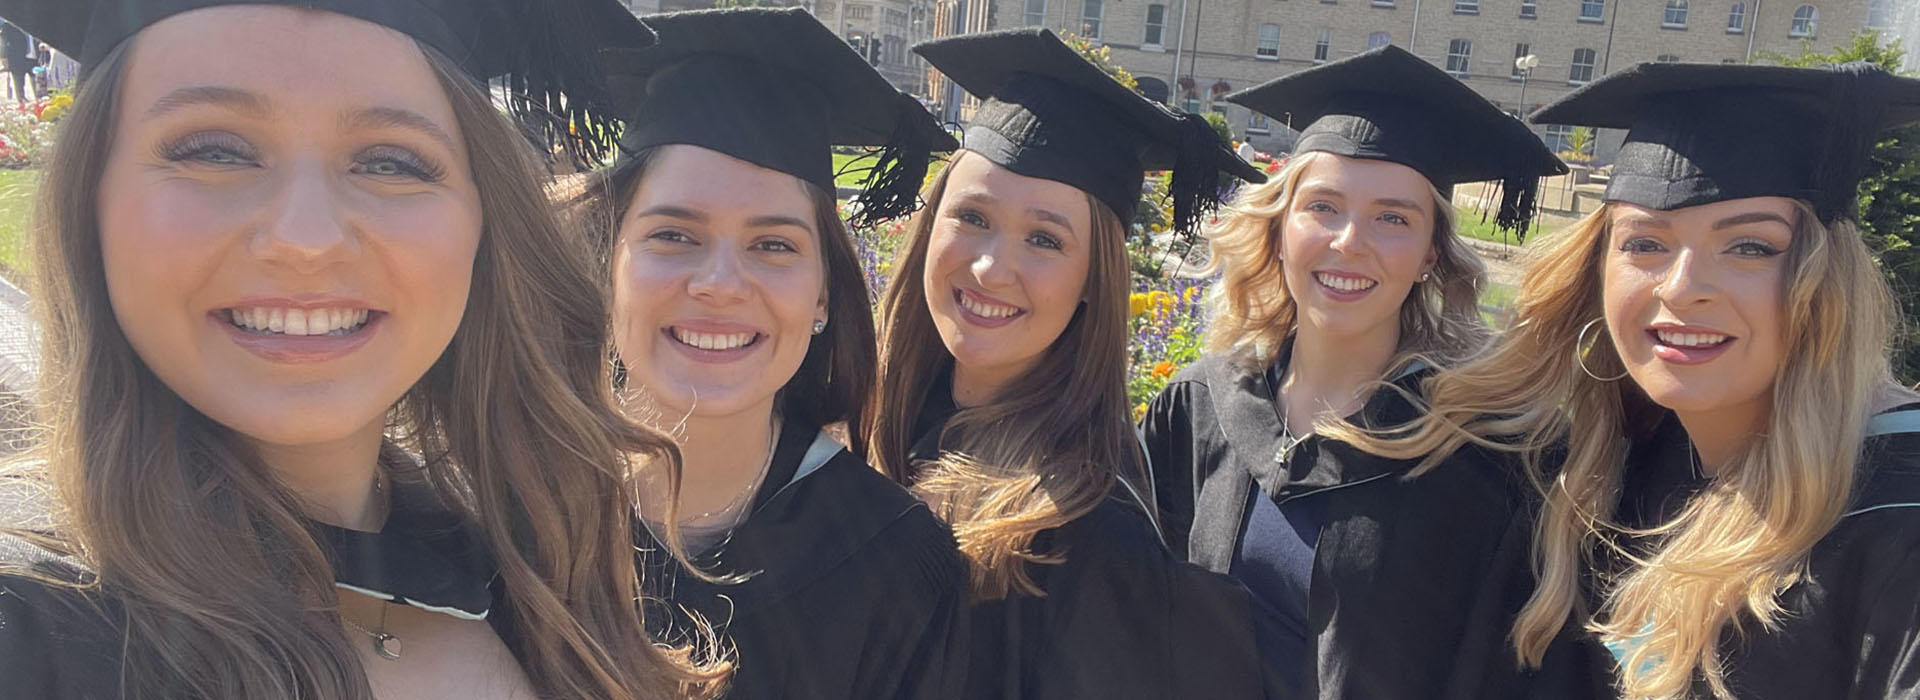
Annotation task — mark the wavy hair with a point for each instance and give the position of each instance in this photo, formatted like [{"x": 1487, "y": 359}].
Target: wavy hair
[
  {"x": 1047, "y": 449},
  {"x": 514, "y": 422},
  {"x": 1726, "y": 558},
  {"x": 1254, "y": 313}
]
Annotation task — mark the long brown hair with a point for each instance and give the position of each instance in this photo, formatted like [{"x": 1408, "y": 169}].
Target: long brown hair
[
  {"x": 514, "y": 422},
  {"x": 1047, "y": 448},
  {"x": 1725, "y": 560},
  {"x": 835, "y": 381}
]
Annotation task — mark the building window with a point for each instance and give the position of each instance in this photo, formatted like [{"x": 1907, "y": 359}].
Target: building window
[
  {"x": 1806, "y": 22},
  {"x": 1581, "y": 72},
  {"x": 1737, "y": 18},
  {"x": 1520, "y": 51},
  {"x": 1258, "y": 123},
  {"x": 1322, "y": 45},
  {"x": 1466, "y": 7},
  {"x": 859, "y": 12},
  {"x": 1557, "y": 137},
  {"x": 1459, "y": 56},
  {"x": 1880, "y": 14},
  {"x": 1676, "y": 17},
  {"x": 1036, "y": 13},
  {"x": 1090, "y": 12},
  {"x": 1156, "y": 24},
  {"x": 1529, "y": 9},
  {"x": 1383, "y": 3},
  {"x": 1667, "y": 58},
  {"x": 1269, "y": 46},
  {"x": 1378, "y": 39},
  {"x": 1593, "y": 10}
]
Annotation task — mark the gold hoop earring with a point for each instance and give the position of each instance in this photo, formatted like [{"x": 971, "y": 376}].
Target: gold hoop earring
[{"x": 1580, "y": 358}]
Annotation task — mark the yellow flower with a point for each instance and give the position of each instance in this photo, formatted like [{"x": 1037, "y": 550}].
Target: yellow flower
[
  {"x": 1137, "y": 304},
  {"x": 1163, "y": 369},
  {"x": 1191, "y": 294},
  {"x": 1139, "y": 413}
]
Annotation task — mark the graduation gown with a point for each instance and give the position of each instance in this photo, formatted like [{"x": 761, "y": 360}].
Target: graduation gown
[
  {"x": 1122, "y": 618},
  {"x": 1851, "y": 629},
  {"x": 60, "y": 644},
  {"x": 855, "y": 591},
  {"x": 1396, "y": 601}
]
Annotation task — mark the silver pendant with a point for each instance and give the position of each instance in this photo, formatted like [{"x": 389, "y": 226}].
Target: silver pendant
[{"x": 387, "y": 646}]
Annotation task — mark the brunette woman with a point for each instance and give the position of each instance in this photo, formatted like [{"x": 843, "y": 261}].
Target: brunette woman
[
  {"x": 326, "y": 411},
  {"x": 1737, "y": 513},
  {"x": 1002, "y": 383},
  {"x": 1342, "y": 284},
  {"x": 742, "y": 319}
]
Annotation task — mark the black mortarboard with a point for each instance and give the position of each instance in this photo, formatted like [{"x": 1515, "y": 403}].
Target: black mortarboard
[
  {"x": 1049, "y": 113},
  {"x": 1387, "y": 104},
  {"x": 1703, "y": 133},
  {"x": 775, "y": 88},
  {"x": 539, "y": 46}
]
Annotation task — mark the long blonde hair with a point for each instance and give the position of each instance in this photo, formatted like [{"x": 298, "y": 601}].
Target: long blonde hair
[
  {"x": 514, "y": 422},
  {"x": 1050, "y": 445},
  {"x": 1725, "y": 560},
  {"x": 1254, "y": 313}
]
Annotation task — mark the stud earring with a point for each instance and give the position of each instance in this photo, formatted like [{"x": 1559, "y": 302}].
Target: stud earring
[{"x": 819, "y": 327}]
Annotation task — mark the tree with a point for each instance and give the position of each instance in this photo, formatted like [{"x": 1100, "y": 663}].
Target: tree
[
  {"x": 1889, "y": 196},
  {"x": 1579, "y": 145},
  {"x": 1102, "y": 56}
]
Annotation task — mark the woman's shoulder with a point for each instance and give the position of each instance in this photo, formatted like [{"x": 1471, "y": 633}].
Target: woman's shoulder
[{"x": 58, "y": 637}]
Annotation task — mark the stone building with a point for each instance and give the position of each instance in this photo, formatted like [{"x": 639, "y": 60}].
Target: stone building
[
  {"x": 881, "y": 30},
  {"x": 1192, "y": 52}
]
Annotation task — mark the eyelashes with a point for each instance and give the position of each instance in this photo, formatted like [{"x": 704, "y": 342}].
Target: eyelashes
[{"x": 223, "y": 149}]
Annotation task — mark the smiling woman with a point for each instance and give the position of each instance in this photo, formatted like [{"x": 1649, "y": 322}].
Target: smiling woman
[
  {"x": 741, "y": 317},
  {"x": 302, "y": 333}
]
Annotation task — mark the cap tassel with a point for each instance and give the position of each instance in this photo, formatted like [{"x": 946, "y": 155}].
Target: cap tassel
[
  {"x": 1518, "y": 203},
  {"x": 554, "y": 85},
  {"x": 1847, "y": 144},
  {"x": 892, "y": 186},
  {"x": 1195, "y": 186}
]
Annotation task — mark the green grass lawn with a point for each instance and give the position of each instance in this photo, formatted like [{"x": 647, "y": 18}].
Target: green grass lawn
[
  {"x": 852, "y": 179},
  {"x": 1467, "y": 223},
  {"x": 16, "y": 200}
]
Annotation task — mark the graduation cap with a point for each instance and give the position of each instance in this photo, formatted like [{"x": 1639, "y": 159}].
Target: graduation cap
[
  {"x": 538, "y": 46},
  {"x": 774, "y": 87},
  {"x": 1388, "y": 104},
  {"x": 1703, "y": 133},
  {"x": 1050, "y": 114}
]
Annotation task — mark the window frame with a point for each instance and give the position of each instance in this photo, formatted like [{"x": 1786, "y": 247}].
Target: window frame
[
  {"x": 1807, "y": 27},
  {"x": 1667, "y": 15},
  {"x": 1591, "y": 64},
  {"x": 1150, "y": 26},
  {"x": 1600, "y": 15},
  {"x": 1737, "y": 18},
  {"x": 1260, "y": 43},
  {"x": 1465, "y": 57}
]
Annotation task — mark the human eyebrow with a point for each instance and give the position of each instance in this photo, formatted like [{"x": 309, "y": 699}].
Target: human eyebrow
[
  {"x": 395, "y": 117},
  {"x": 247, "y": 103}
]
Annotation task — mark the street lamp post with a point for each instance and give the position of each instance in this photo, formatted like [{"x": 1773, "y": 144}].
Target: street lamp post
[{"x": 1525, "y": 64}]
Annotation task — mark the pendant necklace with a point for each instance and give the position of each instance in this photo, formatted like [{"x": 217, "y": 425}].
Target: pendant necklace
[{"x": 384, "y": 644}]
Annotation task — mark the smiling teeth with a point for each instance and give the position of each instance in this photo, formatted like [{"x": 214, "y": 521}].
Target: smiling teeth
[
  {"x": 713, "y": 341},
  {"x": 1690, "y": 340},
  {"x": 986, "y": 310},
  {"x": 285, "y": 321},
  {"x": 1345, "y": 284}
]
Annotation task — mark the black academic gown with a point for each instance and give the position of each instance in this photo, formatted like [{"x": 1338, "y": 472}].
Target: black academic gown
[
  {"x": 59, "y": 644},
  {"x": 1398, "y": 601},
  {"x": 855, "y": 591},
  {"x": 1122, "y": 618},
  {"x": 1851, "y": 630}
]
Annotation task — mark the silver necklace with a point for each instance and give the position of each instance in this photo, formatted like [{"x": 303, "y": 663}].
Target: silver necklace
[{"x": 385, "y": 644}]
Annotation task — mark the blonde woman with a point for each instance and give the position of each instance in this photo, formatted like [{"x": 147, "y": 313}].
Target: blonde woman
[
  {"x": 1002, "y": 370},
  {"x": 324, "y": 390},
  {"x": 1737, "y": 514},
  {"x": 1343, "y": 272}
]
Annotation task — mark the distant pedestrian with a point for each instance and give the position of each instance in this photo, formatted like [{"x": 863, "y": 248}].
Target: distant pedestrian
[{"x": 16, "y": 49}]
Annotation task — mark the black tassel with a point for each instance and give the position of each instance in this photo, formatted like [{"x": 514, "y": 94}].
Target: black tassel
[
  {"x": 1519, "y": 197},
  {"x": 1195, "y": 186},
  {"x": 1846, "y": 148},
  {"x": 554, "y": 85},
  {"x": 892, "y": 186}
]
